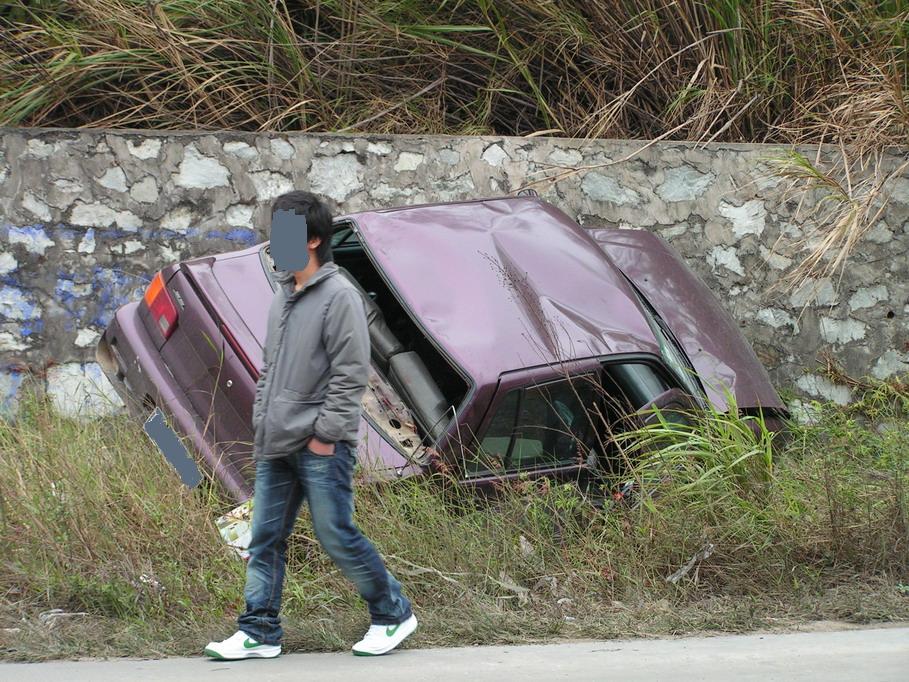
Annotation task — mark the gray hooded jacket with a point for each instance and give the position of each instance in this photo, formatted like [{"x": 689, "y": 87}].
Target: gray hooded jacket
[{"x": 315, "y": 365}]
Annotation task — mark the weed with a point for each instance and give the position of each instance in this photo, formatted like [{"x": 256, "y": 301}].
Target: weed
[{"x": 730, "y": 530}]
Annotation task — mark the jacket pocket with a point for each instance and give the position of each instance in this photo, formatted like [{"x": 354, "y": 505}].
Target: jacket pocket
[{"x": 290, "y": 419}]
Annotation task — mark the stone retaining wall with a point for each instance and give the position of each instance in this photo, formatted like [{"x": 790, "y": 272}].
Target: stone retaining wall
[{"x": 87, "y": 217}]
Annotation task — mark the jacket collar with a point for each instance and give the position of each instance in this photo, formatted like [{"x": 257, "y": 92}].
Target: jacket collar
[{"x": 288, "y": 282}]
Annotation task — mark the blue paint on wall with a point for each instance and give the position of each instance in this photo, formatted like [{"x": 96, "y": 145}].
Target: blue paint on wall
[
  {"x": 91, "y": 293},
  {"x": 31, "y": 232},
  {"x": 16, "y": 304},
  {"x": 240, "y": 234},
  {"x": 33, "y": 327},
  {"x": 64, "y": 290},
  {"x": 112, "y": 289}
]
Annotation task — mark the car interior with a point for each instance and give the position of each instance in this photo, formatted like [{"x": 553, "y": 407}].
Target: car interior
[{"x": 401, "y": 352}]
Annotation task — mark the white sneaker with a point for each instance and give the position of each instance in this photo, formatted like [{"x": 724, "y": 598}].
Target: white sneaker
[
  {"x": 240, "y": 645},
  {"x": 380, "y": 639}
]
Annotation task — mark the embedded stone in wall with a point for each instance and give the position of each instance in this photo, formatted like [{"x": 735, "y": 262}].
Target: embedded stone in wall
[
  {"x": 241, "y": 150},
  {"x": 601, "y": 187},
  {"x": 725, "y": 257},
  {"x": 818, "y": 291},
  {"x": 81, "y": 390},
  {"x": 408, "y": 161},
  {"x": 842, "y": 331},
  {"x": 449, "y": 157},
  {"x": 239, "y": 215},
  {"x": 145, "y": 191},
  {"x": 178, "y": 220},
  {"x": 200, "y": 172},
  {"x": 87, "y": 243},
  {"x": 379, "y": 148},
  {"x": 39, "y": 149},
  {"x": 891, "y": 363},
  {"x": 684, "y": 184},
  {"x": 270, "y": 185},
  {"x": 776, "y": 318},
  {"x": 100, "y": 215},
  {"x": 145, "y": 149},
  {"x": 34, "y": 238},
  {"x": 822, "y": 387},
  {"x": 113, "y": 179},
  {"x": 87, "y": 338},
  {"x": 8, "y": 263},
  {"x": 880, "y": 233},
  {"x": 495, "y": 155},
  {"x": 564, "y": 157},
  {"x": 282, "y": 148},
  {"x": 63, "y": 192},
  {"x": 9, "y": 342},
  {"x": 336, "y": 176},
  {"x": 749, "y": 218},
  {"x": 36, "y": 207},
  {"x": 16, "y": 304},
  {"x": 868, "y": 297}
]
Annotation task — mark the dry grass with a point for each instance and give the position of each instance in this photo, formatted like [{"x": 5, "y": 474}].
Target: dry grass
[
  {"x": 95, "y": 523},
  {"x": 846, "y": 199},
  {"x": 772, "y": 70}
]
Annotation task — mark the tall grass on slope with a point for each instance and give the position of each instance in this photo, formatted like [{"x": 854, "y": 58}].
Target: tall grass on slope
[
  {"x": 727, "y": 535},
  {"x": 829, "y": 503},
  {"x": 761, "y": 71},
  {"x": 93, "y": 523}
]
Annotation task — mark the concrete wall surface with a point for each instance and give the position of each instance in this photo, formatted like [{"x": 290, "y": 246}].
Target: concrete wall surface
[{"x": 88, "y": 216}]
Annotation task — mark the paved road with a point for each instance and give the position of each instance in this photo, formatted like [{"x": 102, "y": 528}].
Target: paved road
[{"x": 879, "y": 655}]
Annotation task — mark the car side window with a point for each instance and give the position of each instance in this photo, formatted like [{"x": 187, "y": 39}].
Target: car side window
[
  {"x": 553, "y": 423},
  {"x": 539, "y": 426},
  {"x": 494, "y": 446}
]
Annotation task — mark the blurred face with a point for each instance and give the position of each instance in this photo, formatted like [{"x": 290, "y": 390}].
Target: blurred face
[{"x": 290, "y": 248}]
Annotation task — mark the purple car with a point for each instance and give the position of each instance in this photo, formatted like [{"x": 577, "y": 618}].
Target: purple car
[{"x": 497, "y": 327}]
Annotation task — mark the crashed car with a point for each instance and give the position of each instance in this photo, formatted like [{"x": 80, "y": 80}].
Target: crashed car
[{"x": 497, "y": 328}]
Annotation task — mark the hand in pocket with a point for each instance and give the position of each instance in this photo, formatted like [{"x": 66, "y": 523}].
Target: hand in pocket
[{"x": 317, "y": 447}]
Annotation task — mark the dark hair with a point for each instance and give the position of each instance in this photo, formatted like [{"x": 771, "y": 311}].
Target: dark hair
[{"x": 318, "y": 218}]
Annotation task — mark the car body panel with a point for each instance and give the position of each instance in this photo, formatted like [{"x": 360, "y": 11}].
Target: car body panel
[
  {"x": 711, "y": 339},
  {"x": 141, "y": 371},
  {"x": 505, "y": 284},
  {"x": 510, "y": 290}
]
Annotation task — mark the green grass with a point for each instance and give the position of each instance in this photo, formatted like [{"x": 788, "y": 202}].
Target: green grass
[{"x": 814, "y": 528}]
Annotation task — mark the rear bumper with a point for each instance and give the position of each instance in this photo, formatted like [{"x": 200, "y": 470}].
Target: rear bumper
[{"x": 135, "y": 371}]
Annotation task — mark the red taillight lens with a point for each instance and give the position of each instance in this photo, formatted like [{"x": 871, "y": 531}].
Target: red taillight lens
[{"x": 159, "y": 302}]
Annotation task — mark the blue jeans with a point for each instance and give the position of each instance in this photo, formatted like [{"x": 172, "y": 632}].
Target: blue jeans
[{"x": 326, "y": 483}]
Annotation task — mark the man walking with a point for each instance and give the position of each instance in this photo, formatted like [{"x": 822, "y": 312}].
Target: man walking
[{"x": 306, "y": 417}]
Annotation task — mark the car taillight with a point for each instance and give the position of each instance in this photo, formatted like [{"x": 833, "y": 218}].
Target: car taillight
[{"x": 161, "y": 305}]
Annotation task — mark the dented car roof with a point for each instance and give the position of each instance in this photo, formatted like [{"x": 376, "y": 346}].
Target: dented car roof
[{"x": 506, "y": 284}]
